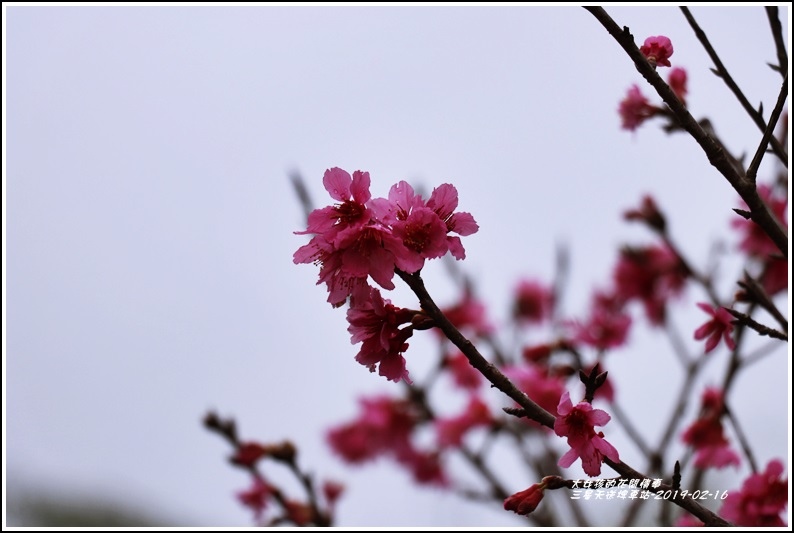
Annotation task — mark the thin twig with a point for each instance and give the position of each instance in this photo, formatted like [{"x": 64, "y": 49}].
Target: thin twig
[
  {"x": 769, "y": 132},
  {"x": 742, "y": 438},
  {"x": 746, "y": 320},
  {"x": 716, "y": 155},
  {"x": 780, "y": 40},
  {"x": 536, "y": 412},
  {"x": 722, "y": 72}
]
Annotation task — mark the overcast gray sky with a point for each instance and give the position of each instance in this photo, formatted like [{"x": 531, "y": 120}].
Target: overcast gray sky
[{"x": 150, "y": 218}]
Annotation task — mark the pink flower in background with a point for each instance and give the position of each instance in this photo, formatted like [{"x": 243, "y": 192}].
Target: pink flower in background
[
  {"x": 376, "y": 323},
  {"x": 775, "y": 276},
  {"x": 652, "y": 275},
  {"x": 718, "y": 327},
  {"x": 533, "y": 302},
  {"x": 248, "y": 454},
  {"x": 577, "y": 424},
  {"x": 755, "y": 242},
  {"x": 649, "y": 213},
  {"x": 468, "y": 315},
  {"x": 677, "y": 82},
  {"x": 706, "y": 434},
  {"x": 450, "y": 431},
  {"x": 425, "y": 467},
  {"x": 256, "y": 497},
  {"x": 634, "y": 109},
  {"x": 384, "y": 426},
  {"x": 444, "y": 200},
  {"x": 657, "y": 50},
  {"x": 760, "y": 501},
  {"x": 463, "y": 374},
  {"x": 525, "y": 501},
  {"x": 538, "y": 383},
  {"x": 608, "y": 324}
]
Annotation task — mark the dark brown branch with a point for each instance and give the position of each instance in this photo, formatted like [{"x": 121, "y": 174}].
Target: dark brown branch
[
  {"x": 769, "y": 132},
  {"x": 746, "y": 320},
  {"x": 533, "y": 410},
  {"x": 780, "y": 40},
  {"x": 722, "y": 72},
  {"x": 716, "y": 155}
]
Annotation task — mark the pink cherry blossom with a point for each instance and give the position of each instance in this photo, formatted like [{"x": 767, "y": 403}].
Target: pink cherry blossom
[
  {"x": 608, "y": 324},
  {"x": 352, "y": 212},
  {"x": 256, "y": 497},
  {"x": 542, "y": 387},
  {"x": 376, "y": 323},
  {"x": 248, "y": 454},
  {"x": 706, "y": 434},
  {"x": 760, "y": 501},
  {"x": 652, "y": 275},
  {"x": 719, "y": 327},
  {"x": 422, "y": 232},
  {"x": 383, "y": 427},
  {"x": 577, "y": 424},
  {"x": 444, "y": 200},
  {"x": 677, "y": 82},
  {"x": 634, "y": 109},
  {"x": 468, "y": 315},
  {"x": 463, "y": 374},
  {"x": 755, "y": 242},
  {"x": 657, "y": 50},
  {"x": 533, "y": 302},
  {"x": 450, "y": 431},
  {"x": 425, "y": 467}
]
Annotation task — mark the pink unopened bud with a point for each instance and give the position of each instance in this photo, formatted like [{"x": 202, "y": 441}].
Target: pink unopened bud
[
  {"x": 526, "y": 501},
  {"x": 657, "y": 50}
]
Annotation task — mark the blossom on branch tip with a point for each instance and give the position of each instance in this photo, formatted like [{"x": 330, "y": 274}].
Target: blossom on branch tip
[
  {"x": 256, "y": 497},
  {"x": 576, "y": 422},
  {"x": 376, "y": 323},
  {"x": 677, "y": 82},
  {"x": 720, "y": 326},
  {"x": 634, "y": 109},
  {"x": 527, "y": 500},
  {"x": 657, "y": 50},
  {"x": 248, "y": 453}
]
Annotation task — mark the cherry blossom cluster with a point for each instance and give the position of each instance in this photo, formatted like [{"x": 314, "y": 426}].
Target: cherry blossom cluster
[
  {"x": 361, "y": 237},
  {"x": 635, "y": 108}
]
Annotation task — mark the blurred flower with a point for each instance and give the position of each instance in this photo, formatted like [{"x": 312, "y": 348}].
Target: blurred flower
[
  {"x": 463, "y": 374},
  {"x": 533, "y": 302},
  {"x": 652, "y": 275},
  {"x": 719, "y": 326},
  {"x": 677, "y": 82},
  {"x": 248, "y": 453},
  {"x": 450, "y": 431},
  {"x": 648, "y": 213},
  {"x": 755, "y": 242},
  {"x": 536, "y": 381},
  {"x": 384, "y": 425},
  {"x": 657, "y": 50},
  {"x": 256, "y": 497},
  {"x": 706, "y": 434},
  {"x": 760, "y": 501},
  {"x": 634, "y": 109}
]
